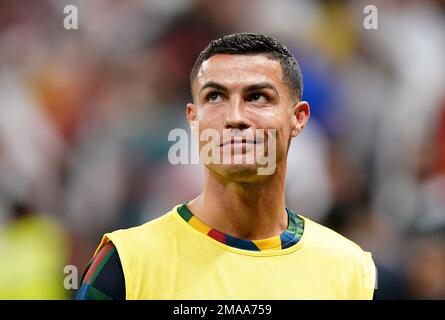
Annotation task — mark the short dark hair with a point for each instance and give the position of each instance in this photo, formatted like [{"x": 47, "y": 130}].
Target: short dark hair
[{"x": 252, "y": 44}]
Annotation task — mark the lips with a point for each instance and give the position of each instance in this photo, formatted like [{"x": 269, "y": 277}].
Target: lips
[{"x": 238, "y": 141}]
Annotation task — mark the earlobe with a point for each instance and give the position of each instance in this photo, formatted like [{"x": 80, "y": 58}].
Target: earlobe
[
  {"x": 300, "y": 117},
  {"x": 194, "y": 127},
  {"x": 294, "y": 126},
  {"x": 192, "y": 117},
  {"x": 296, "y": 130}
]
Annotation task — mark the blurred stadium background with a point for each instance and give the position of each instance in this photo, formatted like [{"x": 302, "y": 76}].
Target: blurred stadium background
[{"x": 85, "y": 115}]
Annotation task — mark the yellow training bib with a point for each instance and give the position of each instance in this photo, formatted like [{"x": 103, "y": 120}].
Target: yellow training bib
[{"x": 167, "y": 258}]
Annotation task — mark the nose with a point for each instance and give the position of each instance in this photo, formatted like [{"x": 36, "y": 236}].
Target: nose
[{"x": 235, "y": 116}]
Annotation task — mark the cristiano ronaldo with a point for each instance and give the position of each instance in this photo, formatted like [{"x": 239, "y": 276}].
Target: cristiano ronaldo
[{"x": 237, "y": 239}]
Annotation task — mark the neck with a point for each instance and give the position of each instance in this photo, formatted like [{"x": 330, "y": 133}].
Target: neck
[{"x": 246, "y": 210}]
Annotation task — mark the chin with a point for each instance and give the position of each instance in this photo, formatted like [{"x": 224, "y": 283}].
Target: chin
[{"x": 237, "y": 172}]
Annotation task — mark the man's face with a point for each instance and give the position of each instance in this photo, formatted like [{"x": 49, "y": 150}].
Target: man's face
[{"x": 239, "y": 94}]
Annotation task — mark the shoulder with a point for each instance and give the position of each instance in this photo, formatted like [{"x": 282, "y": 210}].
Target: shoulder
[
  {"x": 156, "y": 226},
  {"x": 151, "y": 235},
  {"x": 141, "y": 246},
  {"x": 103, "y": 278},
  {"x": 319, "y": 237},
  {"x": 338, "y": 252}
]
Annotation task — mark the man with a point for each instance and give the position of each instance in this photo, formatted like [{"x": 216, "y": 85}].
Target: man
[{"x": 237, "y": 239}]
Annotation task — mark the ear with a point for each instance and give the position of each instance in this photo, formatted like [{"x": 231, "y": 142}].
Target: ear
[
  {"x": 192, "y": 118},
  {"x": 299, "y": 118}
]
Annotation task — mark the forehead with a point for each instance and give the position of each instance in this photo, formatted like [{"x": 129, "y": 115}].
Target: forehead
[{"x": 239, "y": 70}]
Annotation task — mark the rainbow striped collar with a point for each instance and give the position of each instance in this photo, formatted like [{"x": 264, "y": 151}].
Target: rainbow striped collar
[{"x": 286, "y": 239}]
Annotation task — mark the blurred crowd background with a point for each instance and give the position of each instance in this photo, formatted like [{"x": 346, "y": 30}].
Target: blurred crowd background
[{"x": 85, "y": 115}]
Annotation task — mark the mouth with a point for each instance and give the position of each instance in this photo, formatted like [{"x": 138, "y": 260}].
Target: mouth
[{"x": 238, "y": 141}]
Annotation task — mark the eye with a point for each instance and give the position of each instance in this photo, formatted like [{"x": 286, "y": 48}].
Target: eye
[
  {"x": 214, "y": 97},
  {"x": 257, "y": 97}
]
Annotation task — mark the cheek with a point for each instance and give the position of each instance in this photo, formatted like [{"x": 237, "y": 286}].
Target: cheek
[
  {"x": 283, "y": 133},
  {"x": 273, "y": 120},
  {"x": 210, "y": 117},
  {"x": 279, "y": 141},
  {"x": 282, "y": 140}
]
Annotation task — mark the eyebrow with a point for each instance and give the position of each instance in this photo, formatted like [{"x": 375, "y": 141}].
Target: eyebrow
[
  {"x": 260, "y": 86},
  {"x": 253, "y": 87},
  {"x": 214, "y": 85}
]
